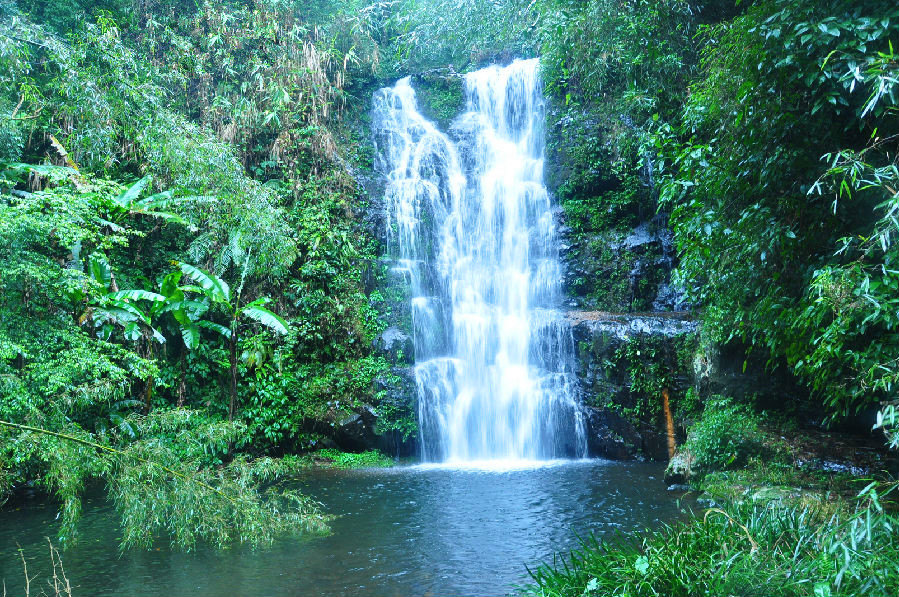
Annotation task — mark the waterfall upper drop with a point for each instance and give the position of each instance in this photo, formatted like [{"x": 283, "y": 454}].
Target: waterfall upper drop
[{"x": 471, "y": 227}]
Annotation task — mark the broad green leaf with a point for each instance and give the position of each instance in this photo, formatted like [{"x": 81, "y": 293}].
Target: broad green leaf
[
  {"x": 157, "y": 336},
  {"x": 215, "y": 287},
  {"x": 190, "y": 333},
  {"x": 190, "y": 310},
  {"x": 120, "y": 312},
  {"x": 132, "y": 331},
  {"x": 130, "y": 195},
  {"x": 266, "y": 318},
  {"x": 98, "y": 269},
  {"x": 169, "y": 286},
  {"x": 216, "y": 328},
  {"x": 158, "y": 201},
  {"x": 137, "y": 295}
]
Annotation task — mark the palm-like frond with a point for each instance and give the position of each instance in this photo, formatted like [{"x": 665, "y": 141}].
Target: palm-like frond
[
  {"x": 209, "y": 325},
  {"x": 271, "y": 320},
  {"x": 127, "y": 198},
  {"x": 212, "y": 286},
  {"x": 137, "y": 295}
]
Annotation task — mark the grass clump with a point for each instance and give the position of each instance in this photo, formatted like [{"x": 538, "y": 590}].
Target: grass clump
[{"x": 741, "y": 549}]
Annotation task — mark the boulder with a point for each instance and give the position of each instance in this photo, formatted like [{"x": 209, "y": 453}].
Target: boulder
[
  {"x": 679, "y": 469},
  {"x": 396, "y": 344}
]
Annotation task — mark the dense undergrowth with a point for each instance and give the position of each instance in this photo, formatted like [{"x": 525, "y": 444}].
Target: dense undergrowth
[
  {"x": 741, "y": 549},
  {"x": 187, "y": 280}
]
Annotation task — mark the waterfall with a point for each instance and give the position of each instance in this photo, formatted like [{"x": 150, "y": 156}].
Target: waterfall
[{"x": 471, "y": 228}]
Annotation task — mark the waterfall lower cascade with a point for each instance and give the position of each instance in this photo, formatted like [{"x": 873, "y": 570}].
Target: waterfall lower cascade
[{"x": 470, "y": 226}]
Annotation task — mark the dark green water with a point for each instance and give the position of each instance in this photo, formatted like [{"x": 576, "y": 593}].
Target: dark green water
[{"x": 403, "y": 531}]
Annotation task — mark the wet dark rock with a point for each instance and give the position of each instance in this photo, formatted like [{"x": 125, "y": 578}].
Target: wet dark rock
[
  {"x": 356, "y": 431},
  {"x": 829, "y": 466},
  {"x": 621, "y": 270},
  {"x": 732, "y": 370},
  {"x": 605, "y": 385},
  {"x": 609, "y": 435},
  {"x": 359, "y": 431},
  {"x": 678, "y": 487}
]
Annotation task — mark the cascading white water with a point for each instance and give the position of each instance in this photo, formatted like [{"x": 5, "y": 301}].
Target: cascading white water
[{"x": 471, "y": 227}]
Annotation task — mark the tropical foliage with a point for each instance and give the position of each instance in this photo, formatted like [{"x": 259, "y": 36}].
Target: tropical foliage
[
  {"x": 183, "y": 256},
  {"x": 187, "y": 247}
]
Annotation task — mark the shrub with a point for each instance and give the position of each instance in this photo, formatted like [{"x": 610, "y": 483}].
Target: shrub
[
  {"x": 726, "y": 435},
  {"x": 740, "y": 549},
  {"x": 338, "y": 459}
]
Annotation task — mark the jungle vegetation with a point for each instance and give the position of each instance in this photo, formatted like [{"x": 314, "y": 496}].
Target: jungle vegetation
[{"x": 188, "y": 284}]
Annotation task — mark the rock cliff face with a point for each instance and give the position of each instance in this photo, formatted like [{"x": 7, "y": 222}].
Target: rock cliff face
[
  {"x": 635, "y": 339},
  {"x": 625, "y": 362},
  {"x": 621, "y": 264},
  {"x": 634, "y": 334},
  {"x": 621, "y": 270}
]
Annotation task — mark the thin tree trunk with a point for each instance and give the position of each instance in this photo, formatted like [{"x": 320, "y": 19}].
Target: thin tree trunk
[
  {"x": 669, "y": 423},
  {"x": 148, "y": 390},
  {"x": 182, "y": 385},
  {"x": 233, "y": 375}
]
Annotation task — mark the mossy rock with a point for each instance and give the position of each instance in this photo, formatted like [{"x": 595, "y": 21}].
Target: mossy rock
[
  {"x": 440, "y": 95},
  {"x": 680, "y": 469}
]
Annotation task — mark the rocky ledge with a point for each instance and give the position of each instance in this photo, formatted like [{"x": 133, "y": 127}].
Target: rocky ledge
[{"x": 624, "y": 421}]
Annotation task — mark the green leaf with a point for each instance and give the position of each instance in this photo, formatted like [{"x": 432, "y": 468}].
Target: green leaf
[
  {"x": 137, "y": 295},
  {"x": 224, "y": 331},
  {"x": 98, "y": 269},
  {"x": 157, "y": 336},
  {"x": 132, "y": 331},
  {"x": 130, "y": 195},
  {"x": 169, "y": 285},
  {"x": 121, "y": 312},
  {"x": 213, "y": 286},
  {"x": 187, "y": 309},
  {"x": 190, "y": 333},
  {"x": 642, "y": 565},
  {"x": 265, "y": 317}
]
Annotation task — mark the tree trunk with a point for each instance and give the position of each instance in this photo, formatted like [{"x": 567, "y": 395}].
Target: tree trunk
[
  {"x": 233, "y": 375},
  {"x": 148, "y": 390},
  {"x": 182, "y": 385}
]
